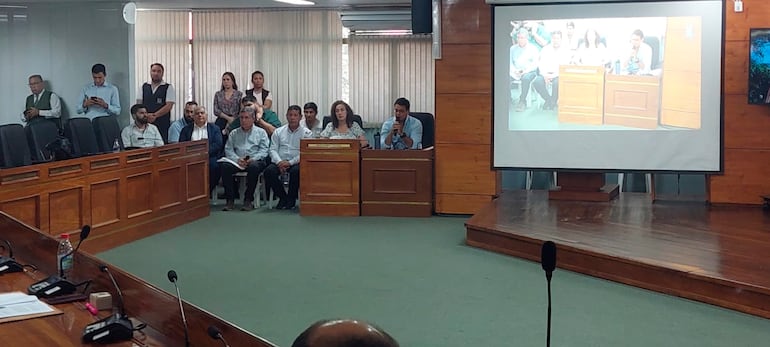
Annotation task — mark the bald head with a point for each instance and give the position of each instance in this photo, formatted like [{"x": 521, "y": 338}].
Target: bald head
[{"x": 344, "y": 333}]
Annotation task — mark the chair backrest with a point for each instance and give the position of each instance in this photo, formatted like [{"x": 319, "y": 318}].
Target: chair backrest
[
  {"x": 81, "y": 133},
  {"x": 13, "y": 146},
  {"x": 107, "y": 130},
  {"x": 654, "y": 43},
  {"x": 356, "y": 118},
  {"x": 428, "y": 128},
  {"x": 40, "y": 133}
]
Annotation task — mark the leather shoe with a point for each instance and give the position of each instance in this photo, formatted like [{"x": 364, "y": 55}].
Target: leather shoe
[
  {"x": 229, "y": 206},
  {"x": 281, "y": 205},
  {"x": 247, "y": 206},
  {"x": 290, "y": 205}
]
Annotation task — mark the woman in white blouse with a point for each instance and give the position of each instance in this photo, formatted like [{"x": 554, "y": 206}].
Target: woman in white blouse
[{"x": 342, "y": 125}]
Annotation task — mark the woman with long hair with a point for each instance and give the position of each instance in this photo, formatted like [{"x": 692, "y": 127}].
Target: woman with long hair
[
  {"x": 342, "y": 125},
  {"x": 227, "y": 101}
]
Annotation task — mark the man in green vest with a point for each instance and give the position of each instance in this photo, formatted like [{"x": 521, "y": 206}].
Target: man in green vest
[{"x": 41, "y": 104}]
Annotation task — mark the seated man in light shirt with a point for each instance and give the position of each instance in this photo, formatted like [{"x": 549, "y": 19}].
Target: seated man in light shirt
[
  {"x": 311, "y": 120},
  {"x": 176, "y": 127},
  {"x": 284, "y": 152},
  {"x": 200, "y": 129},
  {"x": 551, "y": 58},
  {"x": 524, "y": 57},
  {"x": 247, "y": 146},
  {"x": 401, "y": 131},
  {"x": 99, "y": 98},
  {"x": 141, "y": 133}
]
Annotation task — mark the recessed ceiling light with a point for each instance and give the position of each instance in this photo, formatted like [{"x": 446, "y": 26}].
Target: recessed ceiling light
[{"x": 296, "y": 2}]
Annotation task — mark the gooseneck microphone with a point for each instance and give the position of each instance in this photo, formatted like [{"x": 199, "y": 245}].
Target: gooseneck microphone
[
  {"x": 173, "y": 277},
  {"x": 216, "y": 334},
  {"x": 116, "y": 327},
  {"x": 56, "y": 285},
  {"x": 8, "y": 264},
  {"x": 548, "y": 261}
]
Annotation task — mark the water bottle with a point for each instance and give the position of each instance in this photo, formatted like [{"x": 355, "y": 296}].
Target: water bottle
[
  {"x": 116, "y": 146},
  {"x": 65, "y": 247},
  {"x": 377, "y": 140}
]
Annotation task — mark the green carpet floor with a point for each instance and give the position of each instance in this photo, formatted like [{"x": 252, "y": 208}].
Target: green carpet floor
[{"x": 274, "y": 272}]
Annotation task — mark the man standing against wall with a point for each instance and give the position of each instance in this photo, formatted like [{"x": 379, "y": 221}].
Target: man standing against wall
[
  {"x": 42, "y": 103},
  {"x": 159, "y": 97},
  {"x": 99, "y": 98}
]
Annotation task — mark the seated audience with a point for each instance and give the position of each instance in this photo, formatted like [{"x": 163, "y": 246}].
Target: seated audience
[
  {"x": 551, "y": 58},
  {"x": 284, "y": 153},
  {"x": 200, "y": 129},
  {"x": 246, "y": 146},
  {"x": 311, "y": 120},
  {"x": 266, "y": 119},
  {"x": 342, "y": 125},
  {"x": 343, "y": 333},
  {"x": 41, "y": 104},
  {"x": 523, "y": 65},
  {"x": 262, "y": 96},
  {"x": 141, "y": 133},
  {"x": 177, "y": 126},
  {"x": 99, "y": 98},
  {"x": 401, "y": 131},
  {"x": 227, "y": 101}
]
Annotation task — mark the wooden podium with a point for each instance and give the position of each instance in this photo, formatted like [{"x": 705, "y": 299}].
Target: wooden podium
[
  {"x": 397, "y": 183},
  {"x": 329, "y": 177},
  {"x": 580, "y": 186},
  {"x": 632, "y": 101},
  {"x": 581, "y": 94}
]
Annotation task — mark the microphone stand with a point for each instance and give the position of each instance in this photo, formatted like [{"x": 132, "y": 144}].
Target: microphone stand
[{"x": 548, "y": 329}]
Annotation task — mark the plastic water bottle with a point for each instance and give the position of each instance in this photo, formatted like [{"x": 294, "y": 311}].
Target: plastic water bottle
[
  {"x": 115, "y": 146},
  {"x": 377, "y": 140},
  {"x": 65, "y": 247}
]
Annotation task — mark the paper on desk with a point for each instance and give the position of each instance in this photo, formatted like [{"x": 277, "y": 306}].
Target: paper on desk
[
  {"x": 228, "y": 160},
  {"x": 19, "y": 304}
]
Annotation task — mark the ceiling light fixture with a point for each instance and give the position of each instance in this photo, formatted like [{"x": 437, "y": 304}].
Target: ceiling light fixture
[{"x": 297, "y": 2}]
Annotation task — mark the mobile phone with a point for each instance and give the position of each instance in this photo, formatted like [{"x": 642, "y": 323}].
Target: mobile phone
[
  {"x": 246, "y": 157},
  {"x": 94, "y": 98}
]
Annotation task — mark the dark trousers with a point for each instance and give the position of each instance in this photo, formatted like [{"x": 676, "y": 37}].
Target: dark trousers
[
  {"x": 252, "y": 174},
  {"x": 526, "y": 80},
  {"x": 163, "y": 123},
  {"x": 539, "y": 85},
  {"x": 214, "y": 173},
  {"x": 273, "y": 181}
]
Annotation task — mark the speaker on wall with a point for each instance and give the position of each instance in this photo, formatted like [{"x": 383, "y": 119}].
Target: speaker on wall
[{"x": 422, "y": 17}]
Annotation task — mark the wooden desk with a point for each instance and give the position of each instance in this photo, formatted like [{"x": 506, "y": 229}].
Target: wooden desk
[
  {"x": 397, "y": 183},
  {"x": 632, "y": 101},
  {"x": 329, "y": 177},
  {"x": 123, "y": 196},
  {"x": 143, "y": 302},
  {"x": 581, "y": 94}
]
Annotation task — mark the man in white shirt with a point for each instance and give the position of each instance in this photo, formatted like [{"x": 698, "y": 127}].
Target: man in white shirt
[
  {"x": 41, "y": 103},
  {"x": 200, "y": 129},
  {"x": 311, "y": 121},
  {"x": 639, "y": 59},
  {"x": 284, "y": 153},
  {"x": 551, "y": 57},
  {"x": 140, "y": 133},
  {"x": 523, "y": 65}
]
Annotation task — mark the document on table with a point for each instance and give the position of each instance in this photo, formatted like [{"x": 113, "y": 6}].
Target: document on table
[{"x": 18, "y": 304}]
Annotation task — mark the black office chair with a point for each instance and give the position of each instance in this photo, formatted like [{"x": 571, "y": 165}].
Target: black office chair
[
  {"x": 107, "y": 130},
  {"x": 41, "y": 132},
  {"x": 654, "y": 43},
  {"x": 428, "y": 128},
  {"x": 356, "y": 118},
  {"x": 81, "y": 133},
  {"x": 11, "y": 153}
]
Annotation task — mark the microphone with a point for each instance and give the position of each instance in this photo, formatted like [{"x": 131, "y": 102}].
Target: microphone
[
  {"x": 56, "y": 285},
  {"x": 116, "y": 327},
  {"x": 8, "y": 264},
  {"x": 216, "y": 334},
  {"x": 548, "y": 261},
  {"x": 173, "y": 277}
]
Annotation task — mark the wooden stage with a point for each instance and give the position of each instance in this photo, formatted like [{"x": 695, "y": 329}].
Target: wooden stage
[{"x": 714, "y": 254}]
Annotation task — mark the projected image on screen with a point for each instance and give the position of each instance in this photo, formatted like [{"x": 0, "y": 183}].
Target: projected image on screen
[{"x": 599, "y": 73}]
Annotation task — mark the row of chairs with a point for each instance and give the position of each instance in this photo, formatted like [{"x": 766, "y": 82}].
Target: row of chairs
[{"x": 88, "y": 137}]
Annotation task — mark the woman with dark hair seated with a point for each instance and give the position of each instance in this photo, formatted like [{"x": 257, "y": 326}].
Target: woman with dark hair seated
[{"x": 342, "y": 125}]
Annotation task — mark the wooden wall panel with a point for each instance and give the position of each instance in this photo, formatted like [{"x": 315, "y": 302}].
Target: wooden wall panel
[
  {"x": 466, "y": 118},
  {"x": 464, "y": 178},
  {"x": 139, "y": 192},
  {"x": 466, "y": 22},
  {"x": 197, "y": 179},
  {"x": 464, "y": 69},
  {"x": 26, "y": 209},
  {"x": 105, "y": 202},
  {"x": 168, "y": 192},
  {"x": 66, "y": 210},
  {"x": 746, "y": 127}
]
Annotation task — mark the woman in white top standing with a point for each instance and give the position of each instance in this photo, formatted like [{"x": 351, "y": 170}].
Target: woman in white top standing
[{"x": 263, "y": 96}]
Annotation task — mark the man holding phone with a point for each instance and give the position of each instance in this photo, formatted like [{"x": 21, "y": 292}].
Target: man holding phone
[
  {"x": 401, "y": 131},
  {"x": 246, "y": 150},
  {"x": 99, "y": 98},
  {"x": 42, "y": 103}
]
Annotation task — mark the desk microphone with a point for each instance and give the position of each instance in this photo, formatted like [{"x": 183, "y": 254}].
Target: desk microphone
[
  {"x": 56, "y": 285},
  {"x": 173, "y": 277},
  {"x": 548, "y": 261},
  {"x": 216, "y": 334},
  {"x": 8, "y": 264},
  {"x": 116, "y": 327}
]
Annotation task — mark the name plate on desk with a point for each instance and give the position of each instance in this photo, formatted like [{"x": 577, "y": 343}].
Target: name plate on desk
[{"x": 329, "y": 145}]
